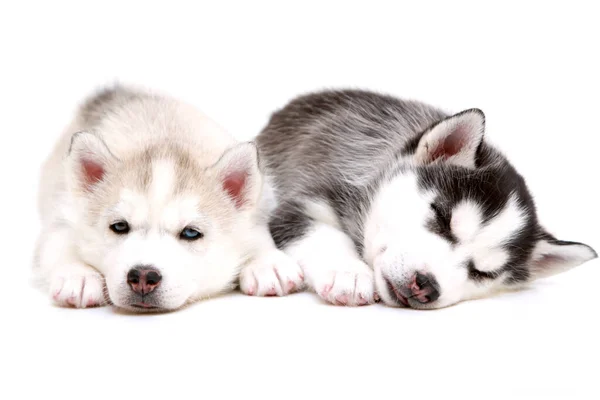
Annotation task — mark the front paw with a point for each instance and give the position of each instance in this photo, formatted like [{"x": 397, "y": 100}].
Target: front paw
[
  {"x": 271, "y": 274},
  {"x": 351, "y": 284},
  {"x": 77, "y": 285}
]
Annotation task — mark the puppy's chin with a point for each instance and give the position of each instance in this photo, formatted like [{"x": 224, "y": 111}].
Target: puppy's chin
[
  {"x": 142, "y": 307},
  {"x": 129, "y": 301}
]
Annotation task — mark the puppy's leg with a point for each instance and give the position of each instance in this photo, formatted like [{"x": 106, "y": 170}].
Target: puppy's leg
[
  {"x": 70, "y": 281},
  {"x": 332, "y": 266},
  {"x": 270, "y": 272}
]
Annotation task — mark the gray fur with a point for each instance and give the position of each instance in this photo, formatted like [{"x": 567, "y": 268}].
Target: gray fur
[
  {"x": 334, "y": 145},
  {"x": 106, "y": 101}
]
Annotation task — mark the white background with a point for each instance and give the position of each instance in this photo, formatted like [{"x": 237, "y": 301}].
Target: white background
[{"x": 532, "y": 67}]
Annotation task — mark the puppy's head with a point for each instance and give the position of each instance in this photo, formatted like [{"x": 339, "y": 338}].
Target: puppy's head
[
  {"x": 163, "y": 230},
  {"x": 455, "y": 221}
]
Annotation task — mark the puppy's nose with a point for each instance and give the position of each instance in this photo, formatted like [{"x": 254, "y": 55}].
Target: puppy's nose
[
  {"x": 424, "y": 288},
  {"x": 143, "y": 280}
]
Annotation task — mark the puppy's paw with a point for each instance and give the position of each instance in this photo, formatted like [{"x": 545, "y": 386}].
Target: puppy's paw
[
  {"x": 271, "y": 274},
  {"x": 77, "y": 285},
  {"x": 351, "y": 284}
]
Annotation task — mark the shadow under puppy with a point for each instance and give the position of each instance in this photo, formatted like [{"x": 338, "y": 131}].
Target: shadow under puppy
[{"x": 147, "y": 204}]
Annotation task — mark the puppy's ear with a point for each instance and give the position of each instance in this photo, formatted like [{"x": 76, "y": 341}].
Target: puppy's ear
[
  {"x": 238, "y": 174},
  {"x": 551, "y": 257},
  {"x": 89, "y": 157},
  {"x": 453, "y": 140}
]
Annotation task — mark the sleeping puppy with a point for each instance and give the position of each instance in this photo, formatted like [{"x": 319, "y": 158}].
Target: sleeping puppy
[{"x": 382, "y": 195}]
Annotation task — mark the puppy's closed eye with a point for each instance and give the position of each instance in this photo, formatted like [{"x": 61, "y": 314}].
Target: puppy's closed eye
[{"x": 440, "y": 225}]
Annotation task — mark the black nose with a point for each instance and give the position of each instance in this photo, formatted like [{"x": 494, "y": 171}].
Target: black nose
[
  {"x": 143, "y": 279},
  {"x": 424, "y": 288}
]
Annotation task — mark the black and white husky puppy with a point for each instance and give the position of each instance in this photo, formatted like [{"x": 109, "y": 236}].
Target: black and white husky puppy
[{"x": 379, "y": 196}]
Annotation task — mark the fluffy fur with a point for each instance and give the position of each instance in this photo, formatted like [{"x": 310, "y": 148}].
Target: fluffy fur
[
  {"x": 142, "y": 182},
  {"x": 382, "y": 196}
]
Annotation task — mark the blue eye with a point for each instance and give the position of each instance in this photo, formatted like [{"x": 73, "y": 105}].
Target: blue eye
[
  {"x": 190, "y": 234},
  {"x": 120, "y": 228}
]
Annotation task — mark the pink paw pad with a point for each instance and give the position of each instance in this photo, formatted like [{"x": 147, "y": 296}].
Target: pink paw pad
[
  {"x": 342, "y": 299},
  {"x": 91, "y": 303},
  {"x": 272, "y": 292},
  {"x": 290, "y": 286},
  {"x": 325, "y": 292}
]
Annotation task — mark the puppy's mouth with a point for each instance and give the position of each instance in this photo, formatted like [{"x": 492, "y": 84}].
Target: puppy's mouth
[
  {"x": 145, "y": 306},
  {"x": 395, "y": 293}
]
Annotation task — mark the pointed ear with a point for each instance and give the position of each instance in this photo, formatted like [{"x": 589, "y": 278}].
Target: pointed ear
[
  {"x": 551, "y": 257},
  {"x": 89, "y": 158},
  {"x": 454, "y": 140},
  {"x": 238, "y": 173}
]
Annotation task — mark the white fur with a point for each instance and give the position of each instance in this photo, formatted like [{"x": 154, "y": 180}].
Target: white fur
[
  {"x": 508, "y": 222},
  {"x": 274, "y": 273},
  {"x": 466, "y": 221},
  {"x": 398, "y": 243},
  {"x": 82, "y": 263},
  {"x": 163, "y": 181},
  {"x": 331, "y": 265}
]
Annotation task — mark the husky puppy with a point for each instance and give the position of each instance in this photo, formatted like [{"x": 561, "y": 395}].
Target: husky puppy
[
  {"x": 147, "y": 204},
  {"x": 397, "y": 199}
]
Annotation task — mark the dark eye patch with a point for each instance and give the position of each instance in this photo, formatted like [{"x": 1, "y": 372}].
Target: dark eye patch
[
  {"x": 441, "y": 224},
  {"x": 477, "y": 275}
]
